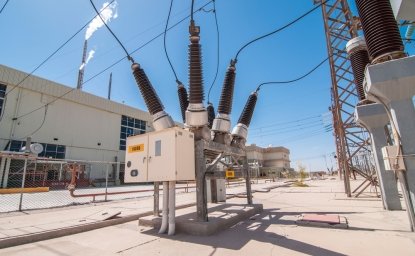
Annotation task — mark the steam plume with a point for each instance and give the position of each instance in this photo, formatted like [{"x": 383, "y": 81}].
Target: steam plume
[{"x": 107, "y": 14}]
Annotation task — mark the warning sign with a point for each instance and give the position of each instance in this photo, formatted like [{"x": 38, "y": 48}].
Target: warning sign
[
  {"x": 230, "y": 173},
  {"x": 136, "y": 148}
]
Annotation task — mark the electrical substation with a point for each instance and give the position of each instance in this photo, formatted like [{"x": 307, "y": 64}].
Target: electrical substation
[
  {"x": 383, "y": 76},
  {"x": 372, "y": 88}
]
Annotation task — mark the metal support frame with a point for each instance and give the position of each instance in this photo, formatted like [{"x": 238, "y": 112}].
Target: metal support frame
[
  {"x": 216, "y": 151},
  {"x": 156, "y": 197},
  {"x": 352, "y": 141}
]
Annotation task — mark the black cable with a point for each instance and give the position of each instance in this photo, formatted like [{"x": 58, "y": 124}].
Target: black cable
[
  {"x": 57, "y": 50},
  {"x": 289, "y": 122},
  {"x": 164, "y": 43},
  {"x": 294, "y": 80},
  {"x": 279, "y": 29},
  {"x": 112, "y": 33},
  {"x": 115, "y": 63},
  {"x": 4, "y": 6},
  {"x": 211, "y": 10},
  {"x": 47, "y": 59},
  {"x": 287, "y": 127},
  {"x": 290, "y": 130},
  {"x": 191, "y": 10},
  {"x": 41, "y": 125},
  {"x": 217, "y": 52},
  {"x": 145, "y": 44}
]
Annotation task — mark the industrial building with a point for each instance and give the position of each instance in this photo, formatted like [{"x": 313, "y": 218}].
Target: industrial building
[
  {"x": 78, "y": 126},
  {"x": 270, "y": 160},
  {"x": 82, "y": 126}
]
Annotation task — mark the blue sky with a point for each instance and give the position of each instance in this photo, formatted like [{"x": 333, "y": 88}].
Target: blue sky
[{"x": 293, "y": 115}]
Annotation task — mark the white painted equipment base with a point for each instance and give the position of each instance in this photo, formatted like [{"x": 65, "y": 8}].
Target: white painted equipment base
[
  {"x": 221, "y": 217},
  {"x": 374, "y": 118},
  {"x": 393, "y": 82}
]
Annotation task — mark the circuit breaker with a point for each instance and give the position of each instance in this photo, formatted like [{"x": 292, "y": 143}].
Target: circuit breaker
[{"x": 165, "y": 155}]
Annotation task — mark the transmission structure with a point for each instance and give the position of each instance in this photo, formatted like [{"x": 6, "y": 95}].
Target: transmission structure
[{"x": 352, "y": 142}]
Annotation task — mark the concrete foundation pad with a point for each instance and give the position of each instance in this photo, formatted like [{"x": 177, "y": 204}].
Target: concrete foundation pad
[
  {"x": 322, "y": 220},
  {"x": 221, "y": 217}
]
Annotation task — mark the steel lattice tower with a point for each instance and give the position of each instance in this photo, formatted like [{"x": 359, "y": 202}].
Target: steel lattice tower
[{"x": 352, "y": 142}]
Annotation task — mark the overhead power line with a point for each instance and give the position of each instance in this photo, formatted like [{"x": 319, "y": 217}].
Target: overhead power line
[
  {"x": 279, "y": 29},
  {"x": 145, "y": 44},
  {"x": 290, "y": 130},
  {"x": 48, "y": 58},
  {"x": 57, "y": 50},
  {"x": 113, "y": 64},
  {"x": 296, "y": 79},
  {"x": 217, "y": 50},
  {"x": 288, "y": 122},
  {"x": 304, "y": 136},
  {"x": 287, "y": 128},
  {"x": 112, "y": 33},
  {"x": 4, "y": 6},
  {"x": 164, "y": 44}
]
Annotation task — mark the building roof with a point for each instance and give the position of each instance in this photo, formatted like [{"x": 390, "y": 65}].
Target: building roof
[
  {"x": 254, "y": 147},
  {"x": 11, "y": 77}
]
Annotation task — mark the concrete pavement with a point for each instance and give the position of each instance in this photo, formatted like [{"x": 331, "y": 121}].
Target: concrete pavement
[{"x": 372, "y": 231}]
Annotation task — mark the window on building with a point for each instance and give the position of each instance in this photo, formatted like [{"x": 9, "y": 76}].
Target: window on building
[
  {"x": 49, "y": 150},
  {"x": 2, "y": 96},
  {"x": 130, "y": 126}
]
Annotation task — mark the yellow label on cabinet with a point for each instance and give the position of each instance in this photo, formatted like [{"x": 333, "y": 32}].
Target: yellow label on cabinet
[
  {"x": 230, "y": 173},
  {"x": 136, "y": 148}
]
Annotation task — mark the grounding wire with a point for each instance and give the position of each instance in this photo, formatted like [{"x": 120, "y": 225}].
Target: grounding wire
[
  {"x": 164, "y": 44},
  {"x": 279, "y": 29},
  {"x": 57, "y": 50},
  {"x": 4, "y": 6},
  {"x": 294, "y": 80},
  {"x": 115, "y": 63},
  {"x": 217, "y": 52},
  {"x": 112, "y": 33}
]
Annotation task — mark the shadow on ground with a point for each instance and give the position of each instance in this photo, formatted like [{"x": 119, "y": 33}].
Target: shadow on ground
[{"x": 255, "y": 229}]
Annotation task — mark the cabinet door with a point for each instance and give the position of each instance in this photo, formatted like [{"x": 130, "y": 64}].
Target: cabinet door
[
  {"x": 136, "y": 159},
  {"x": 161, "y": 156}
]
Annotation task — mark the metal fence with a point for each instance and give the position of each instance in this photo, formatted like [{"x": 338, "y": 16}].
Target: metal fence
[{"x": 28, "y": 182}]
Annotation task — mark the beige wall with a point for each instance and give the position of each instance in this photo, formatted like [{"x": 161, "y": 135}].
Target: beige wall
[
  {"x": 269, "y": 157},
  {"x": 79, "y": 121}
]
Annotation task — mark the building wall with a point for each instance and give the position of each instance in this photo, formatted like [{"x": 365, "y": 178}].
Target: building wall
[
  {"x": 269, "y": 157},
  {"x": 89, "y": 126}
]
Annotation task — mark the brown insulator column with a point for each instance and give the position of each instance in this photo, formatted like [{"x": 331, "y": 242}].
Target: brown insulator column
[
  {"x": 380, "y": 29},
  {"x": 359, "y": 58}
]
